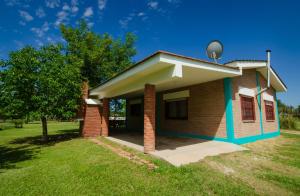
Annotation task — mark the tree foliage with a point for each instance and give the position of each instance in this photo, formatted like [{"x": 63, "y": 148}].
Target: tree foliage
[
  {"x": 98, "y": 56},
  {"x": 17, "y": 82},
  {"x": 40, "y": 81}
]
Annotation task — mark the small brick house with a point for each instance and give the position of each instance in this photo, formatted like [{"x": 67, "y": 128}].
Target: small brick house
[{"x": 174, "y": 95}]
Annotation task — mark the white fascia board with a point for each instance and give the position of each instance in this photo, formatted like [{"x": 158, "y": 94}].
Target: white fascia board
[
  {"x": 250, "y": 65},
  {"x": 278, "y": 80},
  {"x": 127, "y": 74},
  {"x": 202, "y": 65}
]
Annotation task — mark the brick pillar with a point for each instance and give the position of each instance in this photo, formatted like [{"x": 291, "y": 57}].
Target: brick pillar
[
  {"x": 92, "y": 121},
  {"x": 149, "y": 118},
  {"x": 105, "y": 117}
]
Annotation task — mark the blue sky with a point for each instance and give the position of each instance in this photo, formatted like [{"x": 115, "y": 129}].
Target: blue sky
[{"x": 246, "y": 28}]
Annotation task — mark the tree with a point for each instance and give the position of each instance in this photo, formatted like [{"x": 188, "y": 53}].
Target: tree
[
  {"x": 98, "y": 56},
  {"x": 41, "y": 81},
  {"x": 17, "y": 83}
]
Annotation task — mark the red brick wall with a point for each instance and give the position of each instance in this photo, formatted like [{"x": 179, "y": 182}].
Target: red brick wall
[
  {"x": 149, "y": 118},
  {"x": 92, "y": 121},
  {"x": 206, "y": 111},
  {"x": 269, "y": 126},
  {"x": 244, "y": 128}
]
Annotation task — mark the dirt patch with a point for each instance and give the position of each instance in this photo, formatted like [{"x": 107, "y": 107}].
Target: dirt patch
[{"x": 130, "y": 156}]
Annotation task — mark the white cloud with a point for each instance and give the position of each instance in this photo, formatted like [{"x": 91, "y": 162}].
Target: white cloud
[
  {"x": 19, "y": 3},
  {"x": 88, "y": 12},
  {"x": 40, "y": 32},
  {"x": 102, "y": 4},
  {"x": 74, "y": 6},
  {"x": 153, "y": 5},
  {"x": 141, "y": 14},
  {"x": 25, "y": 16},
  {"x": 132, "y": 16},
  {"x": 66, "y": 7},
  {"x": 62, "y": 17},
  {"x": 40, "y": 12},
  {"x": 68, "y": 11},
  {"x": 90, "y": 24},
  {"x": 11, "y": 2},
  {"x": 52, "y": 3},
  {"x": 124, "y": 22}
]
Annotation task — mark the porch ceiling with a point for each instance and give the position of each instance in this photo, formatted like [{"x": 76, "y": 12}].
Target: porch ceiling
[{"x": 165, "y": 71}]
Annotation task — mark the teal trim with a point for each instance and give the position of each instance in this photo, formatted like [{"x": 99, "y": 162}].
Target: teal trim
[
  {"x": 190, "y": 135},
  {"x": 242, "y": 140},
  {"x": 228, "y": 109},
  {"x": 254, "y": 138},
  {"x": 277, "y": 113},
  {"x": 157, "y": 113},
  {"x": 259, "y": 103}
]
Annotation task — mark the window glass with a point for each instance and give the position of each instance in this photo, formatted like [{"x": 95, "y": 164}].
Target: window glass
[
  {"x": 176, "y": 109},
  {"x": 247, "y": 108},
  {"x": 269, "y": 107}
]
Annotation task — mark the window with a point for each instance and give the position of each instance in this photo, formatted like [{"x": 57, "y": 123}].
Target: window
[
  {"x": 135, "y": 109},
  {"x": 176, "y": 109},
  {"x": 248, "y": 112},
  {"x": 269, "y": 107}
]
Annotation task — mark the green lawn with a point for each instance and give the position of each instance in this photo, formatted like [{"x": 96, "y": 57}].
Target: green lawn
[
  {"x": 70, "y": 165},
  {"x": 297, "y": 125}
]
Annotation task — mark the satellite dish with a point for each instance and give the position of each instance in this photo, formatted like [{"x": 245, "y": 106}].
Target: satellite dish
[{"x": 214, "y": 50}]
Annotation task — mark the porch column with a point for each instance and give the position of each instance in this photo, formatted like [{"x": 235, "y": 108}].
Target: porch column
[
  {"x": 105, "y": 117},
  {"x": 149, "y": 118}
]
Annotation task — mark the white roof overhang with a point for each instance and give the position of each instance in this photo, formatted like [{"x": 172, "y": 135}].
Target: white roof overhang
[
  {"x": 275, "y": 81},
  {"x": 165, "y": 71},
  {"x": 261, "y": 66}
]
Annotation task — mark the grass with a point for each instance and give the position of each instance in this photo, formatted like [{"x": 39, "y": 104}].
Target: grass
[
  {"x": 76, "y": 166},
  {"x": 297, "y": 125}
]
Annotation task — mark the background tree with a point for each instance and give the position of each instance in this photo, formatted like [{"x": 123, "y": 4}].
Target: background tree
[
  {"x": 40, "y": 81},
  {"x": 98, "y": 56},
  {"x": 17, "y": 83},
  {"x": 58, "y": 87}
]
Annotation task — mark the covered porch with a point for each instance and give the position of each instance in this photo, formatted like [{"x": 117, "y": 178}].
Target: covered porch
[
  {"x": 144, "y": 81},
  {"x": 177, "y": 151}
]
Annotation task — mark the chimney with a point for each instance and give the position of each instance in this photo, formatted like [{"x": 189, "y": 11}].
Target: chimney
[{"x": 268, "y": 65}]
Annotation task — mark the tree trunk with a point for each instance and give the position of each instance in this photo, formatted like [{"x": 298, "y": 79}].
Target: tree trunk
[{"x": 45, "y": 129}]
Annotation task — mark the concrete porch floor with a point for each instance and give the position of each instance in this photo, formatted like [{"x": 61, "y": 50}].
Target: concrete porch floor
[{"x": 177, "y": 151}]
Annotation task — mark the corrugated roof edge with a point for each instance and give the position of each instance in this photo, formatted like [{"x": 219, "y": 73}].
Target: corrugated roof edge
[
  {"x": 253, "y": 60},
  {"x": 245, "y": 60},
  {"x": 167, "y": 53}
]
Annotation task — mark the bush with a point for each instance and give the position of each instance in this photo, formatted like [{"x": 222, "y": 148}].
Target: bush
[{"x": 288, "y": 122}]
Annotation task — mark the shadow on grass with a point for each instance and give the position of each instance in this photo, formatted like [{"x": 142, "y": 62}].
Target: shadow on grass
[
  {"x": 30, "y": 147},
  {"x": 63, "y": 135},
  {"x": 10, "y": 156}
]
